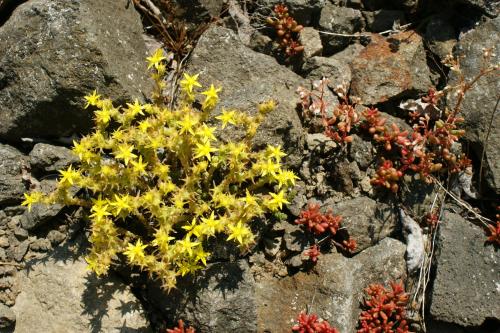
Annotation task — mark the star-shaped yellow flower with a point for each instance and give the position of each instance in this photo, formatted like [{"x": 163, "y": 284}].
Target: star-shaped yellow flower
[
  {"x": 189, "y": 82},
  {"x": 156, "y": 58},
  {"x": 92, "y": 99}
]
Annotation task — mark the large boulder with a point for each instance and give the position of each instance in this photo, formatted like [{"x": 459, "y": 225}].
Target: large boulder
[
  {"x": 226, "y": 297},
  {"x": 334, "y": 291},
  {"x": 390, "y": 68},
  {"x": 247, "y": 79},
  {"x": 219, "y": 299},
  {"x": 478, "y": 106},
  {"x": 466, "y": 288},
  {"x": 59, "y": 294},
  {"x": 55, "y": 52}
]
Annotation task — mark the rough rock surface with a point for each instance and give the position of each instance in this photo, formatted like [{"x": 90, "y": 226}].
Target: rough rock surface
[
  {"x": 334, "y": 70},
  {"x": 225, "y": 297},
  {"x": 479, "y": 102},
  {"x": 55, "y": 52},
  {"x": 311, "y": 39},
  {"x": 248, "y": 78},
  {"x": 12, "y": 164},
  {"x": 220, "y": 299},
  {"x": 49, "y": 158},
  {"x": 333, "y": 292},
  {"x": 466, "y": 288},
  {"x": 60, "y": 295},
  {"x": 390, "y": 68},
  {"x": 367, "y": 221},
  {"x": 339, "y": 20}
]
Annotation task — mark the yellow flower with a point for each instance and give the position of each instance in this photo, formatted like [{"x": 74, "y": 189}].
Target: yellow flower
[
  {"x": 31, "y": 198},
  {"x": 139, "y": 166},
  {"x": 135, "y": 252},
  {"x": 204, "y": 149},
  {"x": 275, "y": 151},
  {"x": 278, "y": 199},
  {"x": 122, "y": 204},
  {"x": 92, "y": 99},
  {"x": 100, "y": 212},
  {"x": 285, "y": 178},
  {"x": 189, "y": 82},
  {"x": 227, "y": 117},
  {"x": 69, "y": 176},
  {"x": 187, "y": 123},
  {"x": 206, "y": 132},
  {"x": 135, "y": 108},
  {"x": 239, "y": 232},
  {"x": 186, "y": 246},
  {"x": 156, "y": 58},
  {"x": 211, "y": 98},
  {"x": 125, "y": 153}
]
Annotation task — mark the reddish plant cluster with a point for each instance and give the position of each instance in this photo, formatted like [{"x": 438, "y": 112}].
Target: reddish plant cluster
[
  {"x": 313, "y": 253},
  {"x": 311, "y": 324},
  {"x": 344, "y": 117},
  {"x": 181, "y": 329},
  {"x": 286, "y": 30},
  {"x": 385, "y": 310},
  {"x": 425, "y": 150},
  {"x": 319, "y": 224}
]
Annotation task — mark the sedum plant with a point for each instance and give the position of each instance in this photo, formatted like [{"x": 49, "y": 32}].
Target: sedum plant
[{"x": 158, "y": 184}]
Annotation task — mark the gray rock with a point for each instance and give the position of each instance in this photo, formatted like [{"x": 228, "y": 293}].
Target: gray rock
[
  {"x": 220, "y": 299},
  {"x": 465, "y": 290},
  {"x": 248, "y": 78},
  {"x": 48, "y": 158},
  {"x": 347, "y": 55},
  {"x": 20, "y": 250},
  {"x": 383, "y": 19},
  {"x": 440, "y": 36},
  {"x": 55, "y": 237},
  {"x": 4, "y": 241},
  {"x": 340, "y": 20},
  {"x": 55, "y": 52},
  {"x": 60, "y": 295},
  {"x": 320, "y": 143},
  {"x": 418, "y": 196},
  {"x": 333, "y": 292},
  {"x": 367, "y": 221},
  {"x": 337, "y": 72},
  {"x": 295, "y": 239},
  {"x": 12, "y": 164},
  {"x": 390, "y": 68},
  {"x": 262, "y": 43},
  {"x": 7, "y": 316},
  {"x": 361, "y": 152},
  {"x": 479, "y": 102},
  {"x": 20, "y": 233},
  {"x": 310, "y": 38},
  {"x": 41, "y": 245},
  {"x": 41, "y": 213}
]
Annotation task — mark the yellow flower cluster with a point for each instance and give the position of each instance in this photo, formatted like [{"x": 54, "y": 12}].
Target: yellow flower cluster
[{"x": 162, "y": 184}]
